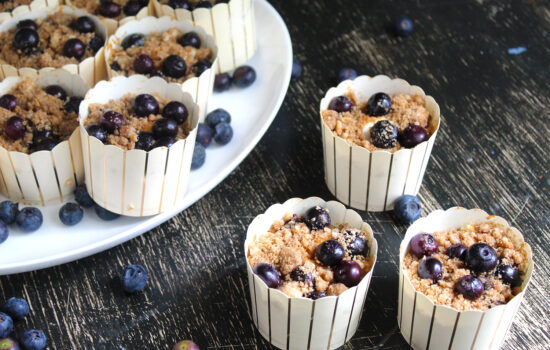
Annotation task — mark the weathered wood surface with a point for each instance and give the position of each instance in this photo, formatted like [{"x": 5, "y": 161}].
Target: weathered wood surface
[{"x": 492, "y": 153}]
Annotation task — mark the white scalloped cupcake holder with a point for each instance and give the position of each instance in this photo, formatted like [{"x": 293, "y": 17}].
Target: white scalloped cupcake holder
[
  {"x": 92, "y": 69},
  {"x": 301, "y": 323},
  {"x": 374, "y": 180},
  {"x": 425, "y": 325},
  {"x": 35, "y": 5},
  {"x": 135, "y": 182},
  {"x": 44, "y": 177},
  {"x": 232, "y": 25},
  {"x": 201, "y": 87}
]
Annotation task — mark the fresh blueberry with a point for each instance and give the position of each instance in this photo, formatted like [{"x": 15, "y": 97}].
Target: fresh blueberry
[
  {"x": 165, "y": 141},
  {"x": 143, "y": 64},
  {"x": 378, "y": 104},
  {"x": 179, "y": 4},
  {"x": 509, "y": 275},
  {"x": 29, "y": 219},
  {"x": 132, "y": 7},
  {"x": 412, "y": 136},
  {"x": 135, "y": 39},
  {"x": 269, "y": 274},
  {"x": 430, "y": 268},
  {"x": 9, "y": 344},
  {"x": 223, "y": 133},
  {"x": 111, "y": 121},
  {"x": 4, "y": 232},
  {"x": 73, "y": 105},
  {"x": 457, "y": 251},
  {"x": 109, "y": 9},
  {"x": 190, "y": 39},
  {"x": 347, "y": 74},
  {"x": 349, "y": 273},
  {"x": 403, "y": 26},
  {"x": 481, "y": 257},
  {"x": 296, "y": 69},
  {"x": 217, "y": 116},
  {"x": 199, "y": 156},
  {"x": 97, "y": 131},
  {"x": 357, "y": 246},
  {"x": 174, "y": 66},
  {"x": 8, "y": 102},
  {"x": 314, "y": 295},
  {"x": 384, "y": 134},
  {"x": 43, "y": 134},
  {"x": 186, "y": 345},
  {"x": 44, "y": 145},
  {"x": 96, "y": 42},
  {"x": 469, "y": 286},
  {"x": 84, "y": 24},
  {"x": 407, "y": 208},
  {"x": 27, "y": 23},
  {"x": 317, "y": 218},
  {"x": 145, "y": 105},
  {"x": 8, "y": 211},
  {"x": 341, "y": 104},
  {"x": 105, "y": 214},
  {"x": 82, "y": 197},
  {"x": 330, "y": 253},
  {"x": 204, "y": 135},
  {"x": 33, "y": 339},
  {"x": 74, "y": 47},
  {"x": 56, "y": 91},
  {"x": 244, "y": 76},
  {"x": 165, "y": 127},
  {"x": 71, "y": 214},
  {"x": 423, "y": 244},
  {"x": 299, "y": 275},
  {"x": 145, "y": 141},
  {"x": 222, "y": 82},
  {"x": 204, "y": 4},
  {"x": 16, "y": 308},
  {"x": 14, "y": 128},
  {"x": 26, "y": 40},
  {"x": 6, "y": 325},
  {"x": 176, "y": 111},
  {"x": 201, "y": 67},
  {"x": 134, "y": 278}
]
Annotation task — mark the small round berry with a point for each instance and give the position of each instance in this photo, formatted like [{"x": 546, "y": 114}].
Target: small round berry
[
  {"x": 43, "y": 134},
  {"x": 217, "y": 116},
  {"x": 358, "y": 246},
  {"x": 6, "y": 325},
  {"x": 269, "y": 274},
  {"x": 143, "y": 64},
  {"x": 82, "y": 197},
  {"x": 341, "y": 104},
  {"x": 347, "y": 74},
  {"x": 509, "y": 275},
  {"x": 384, "y": 134},
  {"x": 17, "y": 308},
  {"x": 174, "y": 66},
  {"x": 201, "y": 67},
  {"x": 84, "y": 24},
  {"x": 204, "y": 135},
  {"x": 481, "y": 257},
  {"x": 296, "y": 69},
  {"x": 105, "y": 214},
  {"x": 135, "y": 39},
  {"x": 179, "y": 4},
  {"x": 244, "y": 76},
  {"x": 412, "y": 136},
  {"x": 469, "y": 286},
  {"x": 317, "y": 218},
  {"x": 165, "y": 141},
  {"x": 378, "y": 104},
  {"x": 26, "y": 39},
  {"x": 132, "y": 7},
  {"x": 109, "y": 9},
  {"x": 8, "y": 102},
  {"x": 29, "y": 219},
  {"x": 314, "y": 295},
  {"x": 71, "y": 214},
  {"x": 423, "y": 244},
  {"x": 199, "y": 156},
  {"x": 4, "y": 232},
  {"x": 457, "y": 251},
  {"x": 176, "y": 111},
  {"x": 8, "y": 211},
  {"x": 223, "y": 133},
  {"x": 145, "y": 141},
  {"x": 33, "y": 339},
  {"x": 46, "y": 144},
  {"x": 430, "y": 268},
  {"x": 74, "y": 48},
  {"x": 222, "y": 82},
  {"x": 165, "y": 127},
  {"x": 27, "y": 23},
  {"x": 96, "y": 42},
  {"x": 56, "y": 91},
  {"x": 8, "y": 344},
  {"x": 407, "y": 208},
  {"x": 145, "y": 105},
  {"x": 299, "y": 275},
  {"x": 73, "y": 105},
  {"x": 98, "y": 132},
  {"x": 403, "y": 26},
  {"x": 134, "y": 278},
  {"x": 349, "y": 273},
  {"x": 186, "y": 345},
  {"x": 111, "y": 121},
  {"x": 190, "y": 39},
  {"x": 14, "y": 128},
  {"x": 330, "y": 252},
  {"x": 203, "y": 4}
]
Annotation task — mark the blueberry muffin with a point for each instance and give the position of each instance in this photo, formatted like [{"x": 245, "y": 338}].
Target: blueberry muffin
[
  {"x": 192, "y": 4},
  {"x": 114, "y": 9}
]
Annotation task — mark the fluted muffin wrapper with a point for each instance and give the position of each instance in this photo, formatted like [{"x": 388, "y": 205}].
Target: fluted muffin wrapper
[
  {"x": 44, "y": 177},
  {"x": 301, "y": 323},
  {"x": 368, "y": 180},
  {"x": 426, "y": 325},
  {"x": 232, "y": 25},
  {"x": 91, "y": 69},
  {"x": 135, "y": 182},
  {"x": 201, "y": 87},
  {"x": 35, "y": 5}
]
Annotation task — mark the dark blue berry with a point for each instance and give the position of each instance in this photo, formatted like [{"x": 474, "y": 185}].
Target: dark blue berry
[
  {"x": 165, "y": 141},
  {"x": 423, "y": 244},
  {"x": 111, "y": 121},
  {"x": 179, "y": 4},
  {"x": 46, "y": 144},
  {"x": 296, "y": 69},
  {"x": 84, "y": 24},
  {"x": 109, "y": 9},
  {"x": 82, "y": 197},
  {"x": 378, "y": 104},
  {"x": 384, "y": 134},
  {"x": 29, "y": 219},
  {"x": 73, "y": 105},
  {"x": 16, "y": 308},
  {"x": 14, "y": 128},
  {"x": 8, "y": 102},
  {"x": 4, "y": 232},
  {"x": 134, "y": 278},
  {"x": 481, "y": 257},
  {"x": 509, "y": 275},
  {"x": 57, "y": 91},
  {"x": 135, "y": 39},
  {"x": 176, "y": 111},
  {"x": 174, "y": 66},
  {"x": 132, "y": 7},
  {"x": 347, "y": 74},
  {"x": 6, "y": 325},
  {"x": 469, "y": 286},
  {"x": 143, "y": 64},
  {"x": 457, "y": 251},
  {"x": 244, "y": 76},
  {"x": 412, "y": 136},
  {"x": 116, "y": 66},
  {"x": 190, "y": 39},
  {"x": 26, "y": 40},
  {"x": 204, "y": 4},
  {"x": 269, "y": 274},
  {"x": 341, "y": 104},
  {"x": 199, "y": 156},
  {"x": 97, "y": 131},
  {"x": 74, "y": 47},
  {"x": 145, "y": 105},
  {"x": 356, "y": 245},
  {"x": 71, "y": 214},
  {"x": 201, "y": 67},
  {"x": 33, "y": 339},
  {"x": 9, "y": 344},
  {"x": 8, "y": 211},
  {"x": 403, "y": 26},
  {"x": 26, "y": 23},
  {"x": 430, "y": 268},
  {"x": 330, "y": 253},
  {"x": 165, "y": 127},
  {"x": 96, "y": 42},
  {"x": 223, "y": 133},
  {"x": 407, "y": 208},
  {"x": 314, "y": 295},
  {"x": 43, "y": 134},
  {"x": 105, "y": 214},
  {"x": 222, "y": 82},
  {"x": 204, "y": 135},
  {"x": 317, "y": 218},
  {"x": 299, "y": 275},
  {"x": 145, "y": 141},
  {"x": 217, "y": 116},
  {"x": 349, "y": 273}
]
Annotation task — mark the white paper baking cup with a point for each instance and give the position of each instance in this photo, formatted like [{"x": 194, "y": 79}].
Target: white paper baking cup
[
  {"x": 428, "y": 326},
  {"x": 44, "y": 177},
  {"x": 200, "y": 88},
  {"x": 135, "y": 182},
  {"x": 301, "y": 323},
  {"x": 92, "y": 69},
  {"x": 113, "y": 24},
  {"x": 374, "y": 180},
  {"x": 35, "y": 5},
  {"x": 232, "y": 25}
]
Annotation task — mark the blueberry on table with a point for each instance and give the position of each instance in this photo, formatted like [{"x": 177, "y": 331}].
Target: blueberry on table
[
  {"x": 199, "y": 156},
  {"x": 201, "y": 67},
  {"x": 174, "y": 66},
  {"x": 186, "y": 345},
  {"x": 296, "y": 69},
  {"x": 8, "y": 102},
  {"x": 347, "y": 74},
  {"x": 111, "y": 121},
  {"x": 179, "y": 4},
  {"x": 430, "y": 268},
  {"x": 481, "y": 257},
  {"x": 341, "y": 104},
  {"x": 84, "y": 24},
  {"x": 217, "y": 116},
  {"x": 14, "y": 128},
  {"x": 190, "y": 39},
  {"x": 223, "y": 133},
  {"x": 29, "y": 219},
  {"x": 349, "y": 273},
  {"x": 330, "y": 252},
  {"x": 165, "y": 127},
  {"x": 204, "y": 135},
  {"x": 384, "y": 134},
  {"x": 132, "y": 7},
  {"x": 509, "y": 275},
  {"x": 407, "y": 208},
  {"x": 71, "y": 214},
  {"x": 145, "y": 141},
  {"x": 82, "y": 196},
  {"x": 269, "y": 274},
  {"x": 143, "y": 64},
  {"x": 403, "y": 26},
  {"x": 56, "y": 91},
  {"x": 317, "y": 218},
  {"x": 165, "y": 141},
  {"x": 469, "y": 286},
  {"x": 314, "y": 295},
  {"x": 74, "y": 47},
  {"x": 33, "y": 339},
  {"x": 378, "y": 104},
  {"x": 27, "y": 23},
  {"x": 105, "y": 214},
  {"x": 457, "y": 251},
  {"x": 109, "y": 9},
  {"x": 412, "y": 136},
  {"x": 8, "y": 344},
  {"x": 135, "y": 39},
  {"x": 4, "y": 232},
  {"x": 134, "y": 278},
  {"x": 145, "y": 105},
  {"x": 8, "y": 211},
  {"x": 423, "y": 244},
  {"x": 26, "y": 40},
  {"x": 244, "y": 76},
  {"x": 16, "y": 308},
  {"x": 222, "y": 82},
  {"x": 175, "y": 110},
  {"x": 73, "y": 105},
  {"x": 97, "y": 131},
  {"x": 6, "y": 325}
]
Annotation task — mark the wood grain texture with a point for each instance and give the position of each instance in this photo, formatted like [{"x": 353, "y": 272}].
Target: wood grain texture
[{"x": 492, "y": 153}]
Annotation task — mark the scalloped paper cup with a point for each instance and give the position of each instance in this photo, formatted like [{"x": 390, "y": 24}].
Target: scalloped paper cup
[
  {"x": 92, "y": 69},
  {"x": 35, "y": 5},
  {"x": 368, "y": 180},
  {"x": 135, "y": 182},
  {"x": 200, "y": 88},
  {"x": 44, "y": 177},
  {"x": 425, "y": 325},
  {"x": 301, "y": 323},
  {"x": 232, "y": 25}
]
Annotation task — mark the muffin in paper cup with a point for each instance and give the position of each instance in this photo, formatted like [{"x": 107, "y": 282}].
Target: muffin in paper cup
[
  {"x": 111, "y": 23},
  {"x": 232, "y": 24},
  {"x": 201, "y": 87},
  {"x": 34, "y": 5},
  {"x": 134, "y": 182},
  {"x": 44, "y": 177},
  {"x": 373, "y": 180},
  {"x": 91, "y": 69},
  {"x": 425, "y": 325},
  {"x": 302, "y": 323}
]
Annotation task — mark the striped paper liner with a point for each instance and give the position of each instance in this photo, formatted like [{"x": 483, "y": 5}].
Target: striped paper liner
[
  {"x": 200, "y": 88},
  {"x": 300, "y": 323},
  {"x": 232, "y": 25},
  {"x": 425, "y": 325},
  {"x": 368, "y": 180},
  {"x": 92, "y": 69},
  {"x": 44, "y": 177},
  {"x": 35, "y": 5},
  {"x": 135, "y": 182}
]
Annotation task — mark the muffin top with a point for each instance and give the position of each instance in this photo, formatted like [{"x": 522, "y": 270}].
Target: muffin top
[
  {"x": 114, "y": 9},
  {"x": 192, "y": 4},
  {"x": 9, "y": 5}
]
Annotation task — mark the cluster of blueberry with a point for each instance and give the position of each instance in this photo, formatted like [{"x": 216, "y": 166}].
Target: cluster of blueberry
[
  {"x": 242, "y": 77},
  {"x": 17, "y": 309},
  {"x": 216, "y": 127},
  {"x": 112, "y": 9},
  {"x": 186, "y": 5}
]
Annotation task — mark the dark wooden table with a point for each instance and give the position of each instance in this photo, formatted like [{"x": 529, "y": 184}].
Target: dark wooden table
[{"x": 492, "y": 153}]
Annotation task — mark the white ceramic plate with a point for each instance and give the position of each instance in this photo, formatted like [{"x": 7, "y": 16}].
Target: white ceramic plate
[{"x": 252, "y": 109}]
